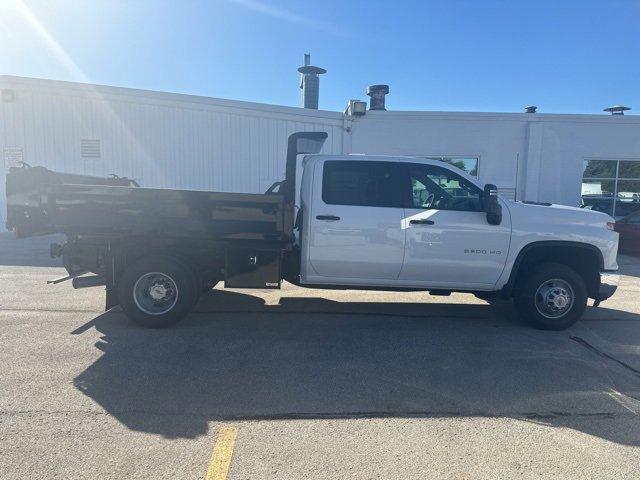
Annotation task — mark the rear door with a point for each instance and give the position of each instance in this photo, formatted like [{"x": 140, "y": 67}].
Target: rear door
[
  {"x": 355, "y": 231},
  {"x": 449, "y": 243}
]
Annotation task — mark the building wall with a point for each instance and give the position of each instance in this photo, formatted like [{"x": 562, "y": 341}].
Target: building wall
[
  {"x": 544, "y": 152},
  {"x": 496, "y": 140},
  {"x": 557, "y": 175}
]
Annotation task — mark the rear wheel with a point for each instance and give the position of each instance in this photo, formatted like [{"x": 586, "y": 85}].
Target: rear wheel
[
  {"x": 157, "y": 291},
  {"x": 551, "y": 297}
]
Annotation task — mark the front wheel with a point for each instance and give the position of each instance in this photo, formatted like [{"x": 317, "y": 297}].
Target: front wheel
[
  {"x": 551, "y": 297},
  {"x": 157, "y": 291}
]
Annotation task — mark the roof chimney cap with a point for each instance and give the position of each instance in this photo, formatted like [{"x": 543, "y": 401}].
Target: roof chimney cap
[
  {"x": 616, "y": 109},
  {"x": 377, "y": 89},
  {"x": 311, "y": 70},
  {"x": 376, "y": 94},
  {"x": 530, "y": 109}
]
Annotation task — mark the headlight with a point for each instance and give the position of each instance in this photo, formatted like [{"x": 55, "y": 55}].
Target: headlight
[{"x": 611, "y": 226}]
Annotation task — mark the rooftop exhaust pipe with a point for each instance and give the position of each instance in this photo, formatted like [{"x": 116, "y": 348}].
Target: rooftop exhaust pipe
[
  {"x": 376, "y": 94},
  {"x": 310, "y": 83},
  {"x": 530, "y": 109},
  {"x": 616, "y": 109}
]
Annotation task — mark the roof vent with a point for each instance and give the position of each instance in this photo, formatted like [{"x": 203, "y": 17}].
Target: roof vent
[
  {"x": 90, "y": 148},
  {"x": 310, "y": 83},
  {"x": 530, "y": 109},
  {"x": 616, "y": 109},
  {"x": 377, "y": 95}
]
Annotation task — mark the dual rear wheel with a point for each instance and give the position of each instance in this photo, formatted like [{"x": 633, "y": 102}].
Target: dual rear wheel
[{"x": 158, "y": 291}]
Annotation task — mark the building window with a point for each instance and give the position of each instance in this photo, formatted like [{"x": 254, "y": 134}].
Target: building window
[
  {"x": 466, "y": 164},
  {"x": 611, "y": 186}
]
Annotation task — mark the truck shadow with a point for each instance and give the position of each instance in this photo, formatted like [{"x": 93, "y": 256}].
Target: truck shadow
[
  {"x": 237, "y": 358},
  {"x": 28, "y": 252}
]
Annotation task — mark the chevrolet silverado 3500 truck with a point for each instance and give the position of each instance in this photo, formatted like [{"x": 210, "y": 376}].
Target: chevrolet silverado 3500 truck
[{"x": 353, "y": 222}]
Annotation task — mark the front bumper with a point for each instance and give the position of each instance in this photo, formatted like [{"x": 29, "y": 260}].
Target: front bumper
[{"x": 608, "y": 284}]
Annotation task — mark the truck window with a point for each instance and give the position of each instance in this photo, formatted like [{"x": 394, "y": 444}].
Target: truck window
[
  {"x": 373, "y": 184},
  {"x": 442, "y": 189}
]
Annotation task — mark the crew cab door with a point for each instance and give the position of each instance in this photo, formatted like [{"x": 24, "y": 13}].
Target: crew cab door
[
  {"x": 449, "y": 243},
  {"x": 353, "y": 223}
]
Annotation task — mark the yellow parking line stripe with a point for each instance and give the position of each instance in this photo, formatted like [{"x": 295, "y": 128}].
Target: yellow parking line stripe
[{"x": 222, "y": 452}]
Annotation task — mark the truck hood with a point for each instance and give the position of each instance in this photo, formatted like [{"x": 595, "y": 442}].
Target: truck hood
[
  {"x": 531, "y": 222},
  {"x": 556, "y": 211}
]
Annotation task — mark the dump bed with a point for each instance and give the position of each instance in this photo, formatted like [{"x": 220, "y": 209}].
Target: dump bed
[{"x": 40, "y": 201}]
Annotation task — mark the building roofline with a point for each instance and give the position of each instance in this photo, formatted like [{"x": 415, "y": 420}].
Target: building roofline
[
  {"x": 522, "y": 116},
  {"x": 97, "y": 90}
]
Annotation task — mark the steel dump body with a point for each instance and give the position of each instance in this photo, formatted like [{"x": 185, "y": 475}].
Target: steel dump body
[
  {"x": 176, "y": 243},
  {"x": 40, "y": 202}
]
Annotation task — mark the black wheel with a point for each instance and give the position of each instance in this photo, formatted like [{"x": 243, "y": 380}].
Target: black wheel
[
  {"x": 157, "y": 291},
  {"x": 551, "y": 297}
]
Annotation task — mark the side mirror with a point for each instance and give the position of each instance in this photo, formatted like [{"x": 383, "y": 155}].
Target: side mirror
[{"x": 492, "y": 205}]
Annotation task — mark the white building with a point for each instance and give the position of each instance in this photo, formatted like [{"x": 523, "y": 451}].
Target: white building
[{"x": 190, "y": 142}]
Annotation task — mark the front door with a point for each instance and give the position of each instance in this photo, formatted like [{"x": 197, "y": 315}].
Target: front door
[
  {"x": 449, "y": 243},
  {"x": 355, "y": 233}
]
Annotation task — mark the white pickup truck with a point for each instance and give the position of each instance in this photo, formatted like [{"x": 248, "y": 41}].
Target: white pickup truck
[{"x": 359, "y": 222}]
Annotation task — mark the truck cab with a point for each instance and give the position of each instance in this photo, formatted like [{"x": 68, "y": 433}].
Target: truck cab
[{"x": 398, "y": 222}]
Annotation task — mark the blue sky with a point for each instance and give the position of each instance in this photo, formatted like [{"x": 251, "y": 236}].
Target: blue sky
[{"x": 564, "y": 56}]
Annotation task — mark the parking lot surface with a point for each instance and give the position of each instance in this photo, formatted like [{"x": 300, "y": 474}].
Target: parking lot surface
[{"x": 312, "y": 384}]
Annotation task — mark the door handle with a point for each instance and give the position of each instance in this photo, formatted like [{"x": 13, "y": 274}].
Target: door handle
[
  {"x": 421, "y": 222},
  {"x": 331, "y": 218}
]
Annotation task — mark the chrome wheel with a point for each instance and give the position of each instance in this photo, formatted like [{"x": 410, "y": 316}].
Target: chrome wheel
[
  {"x": 554, "y": 298},
  {"x": 155, "y": 293}
]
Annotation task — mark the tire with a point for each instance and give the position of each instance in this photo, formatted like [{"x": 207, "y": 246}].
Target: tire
[
  {"x": 552, "y": 296},
  {"x": 157, "y": 291}
]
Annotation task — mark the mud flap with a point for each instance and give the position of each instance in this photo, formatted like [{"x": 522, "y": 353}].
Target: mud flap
[{"x": 111, "y": 291}]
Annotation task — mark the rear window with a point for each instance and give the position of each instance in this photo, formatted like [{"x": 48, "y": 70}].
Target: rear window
[{"x": 372, "y": 184}]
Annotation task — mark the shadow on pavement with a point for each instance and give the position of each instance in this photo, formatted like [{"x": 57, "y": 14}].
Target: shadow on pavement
[
  {"x": 28, "y": 252},
  {"x": 241, "y": 359}
]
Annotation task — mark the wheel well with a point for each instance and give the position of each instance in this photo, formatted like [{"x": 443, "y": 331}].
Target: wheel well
[
  {"x": 585, "y": 260},
  {"x": 205, "y": 264}
]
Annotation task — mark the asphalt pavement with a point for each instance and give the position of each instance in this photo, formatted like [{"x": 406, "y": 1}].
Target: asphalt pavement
[{"x": 314, "y": 384}]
